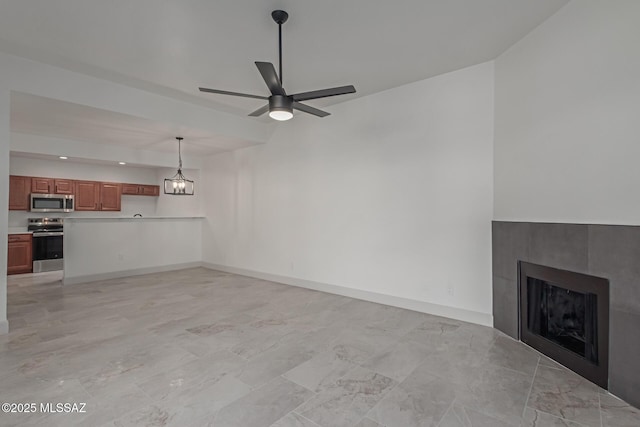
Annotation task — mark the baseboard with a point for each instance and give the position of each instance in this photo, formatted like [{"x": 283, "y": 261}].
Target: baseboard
[
  {"x": 479, "y": 318},
  {"x": 4, "y": 327},
  {"x": 127, "y": 273}
]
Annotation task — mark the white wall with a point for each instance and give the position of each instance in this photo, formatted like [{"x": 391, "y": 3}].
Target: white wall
[
  {"x": 392, "y": 194},
  {"x": 4, "y": 201},
  {"x": 97, "y": 249},
  {"x": 164, "y": 205},
  {"x": 567, "y": 133}
]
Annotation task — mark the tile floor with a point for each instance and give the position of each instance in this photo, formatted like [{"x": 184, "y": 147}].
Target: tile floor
[{"x": 203, "y": 348}]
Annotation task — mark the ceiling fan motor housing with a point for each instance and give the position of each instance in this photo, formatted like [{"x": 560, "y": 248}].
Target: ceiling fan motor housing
[{"x": 280, "y": 103}]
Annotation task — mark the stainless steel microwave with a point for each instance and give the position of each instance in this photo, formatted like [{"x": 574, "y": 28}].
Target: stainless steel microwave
[{"x": 51, "y": 203}]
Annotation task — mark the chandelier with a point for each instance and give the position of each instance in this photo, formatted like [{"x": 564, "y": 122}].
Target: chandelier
[{"x": 178, "y": 185}]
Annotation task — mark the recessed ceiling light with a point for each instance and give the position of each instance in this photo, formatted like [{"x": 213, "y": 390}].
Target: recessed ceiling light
[
  {"x": 64, "y": 157},
  {"x": 122, "y": 163}
]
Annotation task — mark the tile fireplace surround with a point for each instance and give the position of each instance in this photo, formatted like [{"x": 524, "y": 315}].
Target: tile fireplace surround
[{"x": 609, "y": 251}]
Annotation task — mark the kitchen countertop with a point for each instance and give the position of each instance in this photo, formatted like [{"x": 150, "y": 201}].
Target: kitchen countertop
[
  {"x": 23, "y": 230},
  {"x": 19, "y": 230},
  {"x": 130, "y": 218}
]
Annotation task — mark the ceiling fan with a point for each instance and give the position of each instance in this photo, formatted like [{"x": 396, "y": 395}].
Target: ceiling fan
[{"x": 281, "y": 105}]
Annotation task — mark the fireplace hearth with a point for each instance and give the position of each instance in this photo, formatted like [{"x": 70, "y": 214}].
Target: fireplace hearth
[{"x": 565, "y": 315}]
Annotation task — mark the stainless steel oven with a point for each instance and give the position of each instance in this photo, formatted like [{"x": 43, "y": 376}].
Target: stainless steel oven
[
  {"x": 51, "y": 202},
  {"x": 48, "y": 251}
]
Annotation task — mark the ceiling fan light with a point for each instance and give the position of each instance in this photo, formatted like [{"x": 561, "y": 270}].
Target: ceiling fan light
[
  {"x": 280, "y": 115},
  {"x": 280, "y": 107}
]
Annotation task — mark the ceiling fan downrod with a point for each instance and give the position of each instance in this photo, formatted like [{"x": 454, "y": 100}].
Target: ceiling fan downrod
[{"x": 280, "y": 17}]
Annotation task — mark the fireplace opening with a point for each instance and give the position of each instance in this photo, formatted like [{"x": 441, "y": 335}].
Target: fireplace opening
[{"x": 565, "y": 315}]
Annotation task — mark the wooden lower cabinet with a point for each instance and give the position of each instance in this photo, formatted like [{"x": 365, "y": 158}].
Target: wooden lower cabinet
[{"x": 19, "y": 254}]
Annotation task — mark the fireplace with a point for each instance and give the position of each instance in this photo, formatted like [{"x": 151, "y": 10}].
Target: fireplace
[
  {"x": 565, "y": 315},
  {"x": 610, "y": 251}
]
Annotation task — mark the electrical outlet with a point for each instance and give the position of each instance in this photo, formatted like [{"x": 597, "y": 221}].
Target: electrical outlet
[
  {"x": 450, "y": 289},
  {"x": 120, "y": 257}
]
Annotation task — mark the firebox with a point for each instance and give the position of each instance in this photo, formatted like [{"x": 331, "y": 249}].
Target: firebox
[{"x": 565, "y": 315}]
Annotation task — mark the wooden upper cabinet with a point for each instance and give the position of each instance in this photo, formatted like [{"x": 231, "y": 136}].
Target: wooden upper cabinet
[
  {"x": 149, "y": 190},
  {"x": 140, "y": 190},
  {"x": 87, "y": 196},
  {"x": 19, "y": 190},
  {"x": 63, "y": 186},
  {"x": 97, "y": 196},
  {"x": 130, "y": 189},
  {"x": 42, "y": 185},
  {"x": 51, "y": 186},
  {"x": 110, "y": 193}
]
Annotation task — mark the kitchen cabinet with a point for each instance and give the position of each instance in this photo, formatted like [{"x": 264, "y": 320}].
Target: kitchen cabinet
[
  {"x": 110, "y": 196},
  {"x": 19, "y": 257},
  {"x": 87, "y": 196},
  {"x": 140, "y": 190},
  {"x": 42, "y": 185},
  {"x": 63, "y": 186},
  {"x": 130, "y": 189},
  {"x": 97, "y": 196},
  {"x": 19, "y": 190},
  {"x": 51, "y": 186},
  {"x": 149, "y": 190}
]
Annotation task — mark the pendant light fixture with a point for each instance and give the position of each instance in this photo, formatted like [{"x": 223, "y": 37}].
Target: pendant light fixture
[{"x": 178, "y": 185}]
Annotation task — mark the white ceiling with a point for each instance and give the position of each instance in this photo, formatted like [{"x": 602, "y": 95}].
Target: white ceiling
[
  {"x": 172, "y": 47},
  {"x": 36, "y": 115}
]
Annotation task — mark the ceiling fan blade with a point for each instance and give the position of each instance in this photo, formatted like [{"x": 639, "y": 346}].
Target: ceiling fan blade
[
  {"x": 224, "y": 92},
  {"x": 324, "y": 93},
  {"x": 310, "y": 110},
  {"x": 260, "y": 111},
  {"x": 270, "y": 77}
]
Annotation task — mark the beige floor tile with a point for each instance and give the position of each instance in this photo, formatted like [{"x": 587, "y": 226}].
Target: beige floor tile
[{"x": 198, "y": 347}]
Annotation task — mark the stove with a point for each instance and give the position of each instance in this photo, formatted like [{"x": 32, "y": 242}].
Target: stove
[{"x": 48, "y": 235}]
